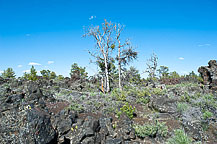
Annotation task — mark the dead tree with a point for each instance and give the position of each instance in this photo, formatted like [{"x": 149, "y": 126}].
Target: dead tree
[
  {"x": 125, "y": 52},
  {"x": 152, "y": 66},
  {"x": 104, "y": 46},
  {"x": 107, "y": 40}
]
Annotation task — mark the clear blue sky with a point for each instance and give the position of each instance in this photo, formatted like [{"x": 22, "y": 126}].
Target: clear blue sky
[{"x": 183, "y": 33}]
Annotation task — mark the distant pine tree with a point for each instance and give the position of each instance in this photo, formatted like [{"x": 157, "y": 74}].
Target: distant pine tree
[{"x": 9, "y": 73}]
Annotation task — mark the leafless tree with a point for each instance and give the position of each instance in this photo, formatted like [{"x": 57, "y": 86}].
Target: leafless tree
[
  {"x": 125, "y": 52},
  {"x": 104, "y": 46},
  {"x": 107, "y": 40},
  {"x": 152, "y": 65}
]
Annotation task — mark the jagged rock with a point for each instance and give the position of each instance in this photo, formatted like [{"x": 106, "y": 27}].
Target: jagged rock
[
  {"x": 87, "y": 130},
  {"x": 105, "y": 129},
  {"x": 62, "y": 123},
  {"x": 163, "y": 104},
  {"x": 38, "y": 128},
  {"x": 1, "y": 80},
  {"x": 113, "y": 141},
  {"x": 191, "y": 119},
  {"x": 124, "y": 129},
  {"x": 14, "y": 98},
  {"x": 45, "y": 112},
  {"x": 209, "y": 74}
]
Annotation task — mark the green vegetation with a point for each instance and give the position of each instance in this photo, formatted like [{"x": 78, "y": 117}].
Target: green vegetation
[
  {"x": 208, "y": 101},
  {"x": 181, "y": 107},
  {"x": 64, "y": 92},
  {"x": 60, "y": 77},
  {"x": 48, "y": 74},
  {"x": 109, "y": 39},
  {"x": 78, "y": 72},
  {"x": 143, "y": 100},
  {"x": 207, "y": 115},
  {"x": 119, "y": 95},
  {"x": 136, "y": 92},
  {"x": 163, "y": 71},
  {"x": 151, "y": 130},
  {"x": 116, "y": 90},
  {"x": 8, "y": 73},
  {"x": 75, "y": 107},
  {"x": 132, "y": 76},
  {"x": 127, "y": 109},
  {"x": 32, "y": 75},
  {"x": 180, "y": 137},
  {"x": 174, "y": 74},
  {"x": 158, "y": 91},
  {"x": 185, "y": 97}
]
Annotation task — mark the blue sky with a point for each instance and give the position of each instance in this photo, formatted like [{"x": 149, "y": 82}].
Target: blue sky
[{"x": 48, "y": 33}]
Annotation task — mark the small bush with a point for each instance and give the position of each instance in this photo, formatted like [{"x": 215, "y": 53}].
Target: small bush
[
  {"x": 180, "y": 137},
  {"x": 207, "y": 115},
  {"x": 119, "y": 95},
  {"x": 143, "y": 100},
  {"x": 142, "y": 95},
  {"x": 127, "y": 109},
  {"x": 76, "y": 107},
  {"x": 181, "y": 107},
  {"x": 138, "y": 92},
  {"x": 151, "y": 130},
  {"x": 64, "y": 92},
  {"x": 185, "y": 97},
  {"x": 158, "y": 91},
  {"x": 209, "y": 100}
]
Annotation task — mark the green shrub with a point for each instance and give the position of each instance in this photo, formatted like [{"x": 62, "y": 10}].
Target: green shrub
[
  {"x": 207, "y": 115},
  {"x": 76, "y": 107},
  {"x": 209, "y": 100},
  {"x": 200, "y": 79},
  {"x": 142, "y": 95},
  {"x": 143, "y": 100},
  {"x": 158, "y": 91},
  {"x": 180, "y": 137},
  {"x": 185, "y": 97},
  {"x": 132, "y": 91},
  {"x": 143, "y": 92},
  {"x": 92, "y": 94},
  {"x": 151, "y": 130},
  {"x": 173, "y": 74},
  {"x": 181, "y": 107},
  {"x": 127, "y": 109},
  {"x": 60, "y": 77},
  {"x": 64, "y": 92},
  {"x": 119, "y": 95}
]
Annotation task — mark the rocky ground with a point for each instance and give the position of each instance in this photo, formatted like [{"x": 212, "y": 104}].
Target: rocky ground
[{"x": 52, "y": 112}]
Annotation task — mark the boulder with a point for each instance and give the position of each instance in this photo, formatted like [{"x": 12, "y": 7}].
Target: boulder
[
  {"x": 163, "y": 104},
  {"x": 38, "y": 128},
  {"x": 209, "y": 74}
]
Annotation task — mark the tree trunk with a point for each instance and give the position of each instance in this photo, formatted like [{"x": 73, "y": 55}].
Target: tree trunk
[
  {"x": 107, "y": 75},
  {"x": 119, "y": 67}
]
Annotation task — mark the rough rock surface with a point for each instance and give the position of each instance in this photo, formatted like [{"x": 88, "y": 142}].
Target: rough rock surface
[
  {"x": 28, "y": 116},
  {"x": 209, "y": 74},
  {"x": 51, "y": 112}
]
